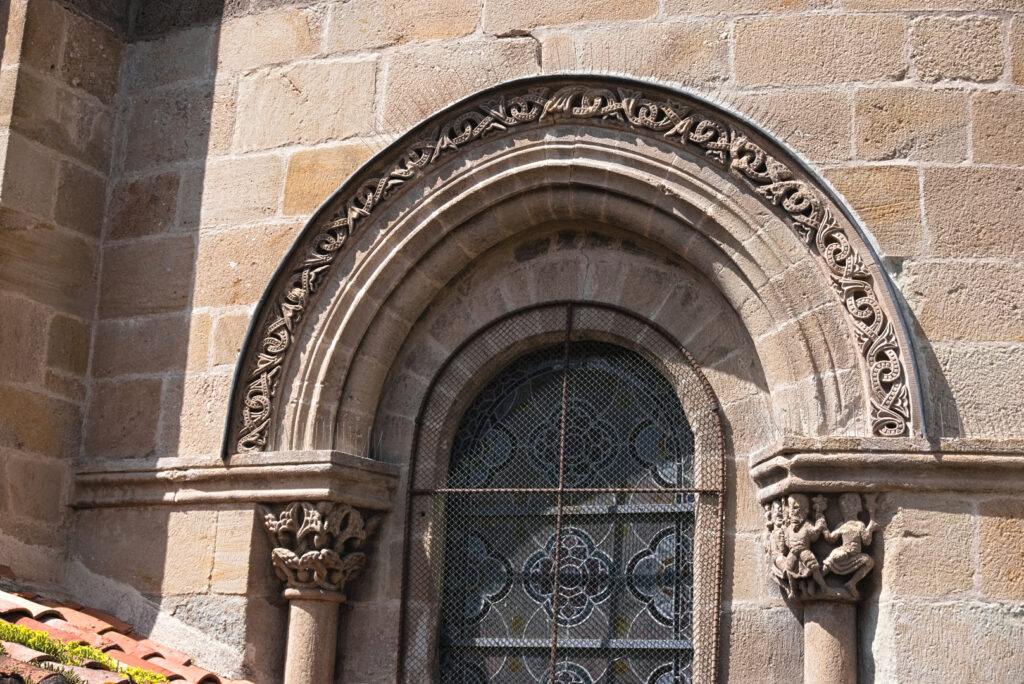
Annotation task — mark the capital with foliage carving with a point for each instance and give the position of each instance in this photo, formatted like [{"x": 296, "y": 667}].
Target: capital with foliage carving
[
  {"x": 810, "y": 560},
  {"x": 317, "y": 547}
]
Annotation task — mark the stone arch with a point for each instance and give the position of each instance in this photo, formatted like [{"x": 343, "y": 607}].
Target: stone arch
[{"x": 770, "y": 253}]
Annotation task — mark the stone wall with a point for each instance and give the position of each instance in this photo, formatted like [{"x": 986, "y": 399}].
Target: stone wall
[
  {"x": 59, "y": 81},
  {"x": 157, "y": 169}
]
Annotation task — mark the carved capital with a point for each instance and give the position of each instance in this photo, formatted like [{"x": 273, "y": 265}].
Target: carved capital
[
  {"x": 811, "y": 559},
  {"x": 317, "y": 547}
]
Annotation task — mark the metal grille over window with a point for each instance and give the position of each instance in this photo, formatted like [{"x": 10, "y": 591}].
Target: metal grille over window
[{"x": 575, "y": 536}]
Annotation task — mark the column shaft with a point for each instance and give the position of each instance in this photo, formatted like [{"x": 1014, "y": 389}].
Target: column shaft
[
  {"x": 830, "y": 642},
  {"x": 312, "y": 639}
]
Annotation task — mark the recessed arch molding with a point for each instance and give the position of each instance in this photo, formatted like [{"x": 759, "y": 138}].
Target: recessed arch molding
[{"x": 729, "y": 143}]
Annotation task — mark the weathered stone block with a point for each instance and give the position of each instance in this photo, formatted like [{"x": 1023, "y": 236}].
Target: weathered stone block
[
  {"x": 63, "y": 120},
  {"x": 199, "y": 335},
  {"x": 201, "y": 424},
  {"x": 815, "y": 122},
  {"x": 222, "y": 118},
  {"x": 968, "y": 211},
  {"x": 45, "y": 26},
  {"x": 911, "y": 123},
  {"x": 30, "y": 178},
  {"x": 363, "y": 24},
  {"x": 140, "y": 346},
  {"x": 35, "y": 423},
  {"x": 955, "y": 48},
  {"x": 1017, "y": 49},
  {"x": 110, "y": 544},
  {"x": 228, "y": 335},
  {"x": 967, "y": 641},
  {"x": 241, "y": 189},
  {"x": 804, "y": 50},
  {"x": 23, "y": 338},
  {"x": 314, "y": 174},
  {"x": 689, "y": 52},
  {"x": 122, "y": 418},
  {"x": 47, "y": 265},
  {"x": 144, "y": 206},
  {"x": 761, "y": 644},
  {"x": 168, "y": 125},
  {"x": 989, "y": 309},
  {"x": 503, "y": 17},
  {"x": 68, "y": 345},
  {"x": 268, "y": 38},
  {"x": 1001, "y": 534},
  {"x": 236, "y": 530},
  {"x": 986, "y": 382},
  {"x": 414, "y": 90},
  {"x": 998, "y": 127},
  {"x": 81, "y": 195},
  {"x": 888, "y": 199},
  {"x": 690, "y": 7},
  {"x": 305, "y": 103},
  {"x": 178, "y": 56},
  {"x": 36, "y": 488},
  {"x": 234, "y": 266},
  {"x": 147, "y": 277},
  {"x": 927, "y": 546},
  {"x": 92, "y": 58}
]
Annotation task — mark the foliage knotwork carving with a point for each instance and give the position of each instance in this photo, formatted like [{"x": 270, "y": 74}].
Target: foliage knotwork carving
[
  {"x": 683, "y": 125},
  {"x": 317, "y": 545}
]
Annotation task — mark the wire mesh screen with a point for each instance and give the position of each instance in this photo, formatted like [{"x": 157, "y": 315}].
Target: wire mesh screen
[{"x": 573, "y": 537}]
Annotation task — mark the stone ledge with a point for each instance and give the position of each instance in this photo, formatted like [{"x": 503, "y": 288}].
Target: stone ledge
[
  {"x": 265, "y": 477},
  {"x": 965, "y": 467}
]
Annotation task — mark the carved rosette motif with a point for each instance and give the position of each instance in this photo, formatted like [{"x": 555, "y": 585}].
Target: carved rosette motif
[
  {"x": 316, "y": 545},
  {"x": 681, "y": 124},
  {"x": 810, "y": 561}
]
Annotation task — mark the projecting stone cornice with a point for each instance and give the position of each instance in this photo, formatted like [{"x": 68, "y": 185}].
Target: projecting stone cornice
[
  {"x": 841, "y": 465},
  {"x": 283, "y": 476}
]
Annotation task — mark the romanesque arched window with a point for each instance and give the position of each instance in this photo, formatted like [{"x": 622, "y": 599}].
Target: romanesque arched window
[{"x": 564, "y": 528}]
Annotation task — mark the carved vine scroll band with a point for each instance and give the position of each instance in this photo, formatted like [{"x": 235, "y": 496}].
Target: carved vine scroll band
[{"x": 681, "y": 124}]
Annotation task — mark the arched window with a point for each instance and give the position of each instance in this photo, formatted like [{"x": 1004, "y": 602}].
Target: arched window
[{"x": 567, "y": 524}]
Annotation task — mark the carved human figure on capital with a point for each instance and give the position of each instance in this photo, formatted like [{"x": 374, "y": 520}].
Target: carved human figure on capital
[
  {"x": 849, "y": 558},
  {"x": 790, "y": 535},
  {"x": 795, "y": 560}
]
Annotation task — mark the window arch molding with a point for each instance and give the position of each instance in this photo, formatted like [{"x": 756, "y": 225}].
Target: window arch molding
[
  {"x": 762, "y": 219},
  {"x": 476, "y": 363}
]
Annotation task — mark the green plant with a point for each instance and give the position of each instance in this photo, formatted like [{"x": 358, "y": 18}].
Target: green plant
[{"x": 73, "y": 653}]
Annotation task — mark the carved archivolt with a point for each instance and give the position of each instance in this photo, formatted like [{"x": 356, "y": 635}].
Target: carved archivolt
[
  {"x": 502, "y": 112},
  {"x": 316, "y": 545},
  {"x": 805, "y": 557}
]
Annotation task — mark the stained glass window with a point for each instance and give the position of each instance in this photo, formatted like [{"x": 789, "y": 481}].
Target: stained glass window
[
  {"x": 571, "y": 549},
  {"x": 568, "y": 529}
]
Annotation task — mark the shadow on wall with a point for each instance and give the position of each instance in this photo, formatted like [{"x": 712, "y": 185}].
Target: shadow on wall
[{"x": 154, "y": 567}]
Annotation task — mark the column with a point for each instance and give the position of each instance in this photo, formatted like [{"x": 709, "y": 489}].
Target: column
[{"x": 316, "y": 553}]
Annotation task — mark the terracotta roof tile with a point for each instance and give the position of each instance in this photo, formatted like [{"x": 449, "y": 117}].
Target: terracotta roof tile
[
  {"x": 63, "y": 631},
  {"x": 135, "y": 661},
  {"x": 29, "y": 673},
  {"x": 68, "y": 621},
  {"x": 24, "y": 654},
  {"x": 98, "y": 676},
  {"x": 118, "y": 625},
  {"x": 83, "y": 621},
  {"x": 190, "y": 673},
  {"x": 12, "y": 603},
  {"x": 176, "y": 657}
]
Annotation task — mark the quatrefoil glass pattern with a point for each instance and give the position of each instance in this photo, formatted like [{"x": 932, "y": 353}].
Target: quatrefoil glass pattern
[{"x": 568, "y": 524}]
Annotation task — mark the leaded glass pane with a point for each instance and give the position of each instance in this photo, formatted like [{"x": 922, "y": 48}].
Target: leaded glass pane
[{"x": 600, "y": 579}]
